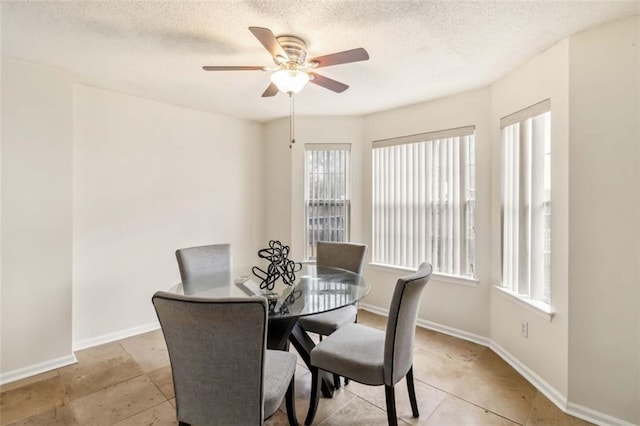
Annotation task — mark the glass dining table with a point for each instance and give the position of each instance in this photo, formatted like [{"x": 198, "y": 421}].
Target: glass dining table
[{"x": 316, "y": 289}]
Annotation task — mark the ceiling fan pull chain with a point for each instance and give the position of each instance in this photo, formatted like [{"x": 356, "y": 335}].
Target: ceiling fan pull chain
[{"x": 292, "y": 128}]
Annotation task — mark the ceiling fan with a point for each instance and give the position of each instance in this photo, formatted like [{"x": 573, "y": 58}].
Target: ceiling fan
[{"x": 293, "y": 70}]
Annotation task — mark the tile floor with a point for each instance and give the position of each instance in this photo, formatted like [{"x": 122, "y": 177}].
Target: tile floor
[{"x": 128, "y": 382}]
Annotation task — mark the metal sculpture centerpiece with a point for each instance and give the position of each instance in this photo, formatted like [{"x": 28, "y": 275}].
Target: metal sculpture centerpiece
[{"x": 280, "y": 266}]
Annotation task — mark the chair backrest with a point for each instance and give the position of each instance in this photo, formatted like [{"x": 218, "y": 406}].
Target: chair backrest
[
  {"x": 195, "y": 262},
  {"x": 349, "y": 256},
  {"x": 217, "y": 349},
  {"x": 401, "y": 325}
]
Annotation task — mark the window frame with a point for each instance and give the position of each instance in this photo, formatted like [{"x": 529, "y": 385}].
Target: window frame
[
  {"x": 536, "y": 184},
  {"x": 465, "y": 186},
  {"x": 343, "y": 203}
]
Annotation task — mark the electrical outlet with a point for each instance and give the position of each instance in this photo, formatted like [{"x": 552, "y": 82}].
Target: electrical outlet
[{"x": 524, "y": 329}]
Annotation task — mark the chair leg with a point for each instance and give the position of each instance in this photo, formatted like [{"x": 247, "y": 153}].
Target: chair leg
[
  {"x": 412, "y": 393},
  {"x": 346, "y": 381},
  {"x": 290, "y": 401},
  {"x": 336, "y": 381},
  {"x": 390, "y": 396},
  {"x": 315, "y": 395}
]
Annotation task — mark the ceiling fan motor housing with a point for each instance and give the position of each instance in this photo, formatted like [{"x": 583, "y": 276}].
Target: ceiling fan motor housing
[{"x": 295, "y": 48}]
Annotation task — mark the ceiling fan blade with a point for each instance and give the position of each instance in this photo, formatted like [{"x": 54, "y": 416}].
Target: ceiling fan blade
[
  {"x": 269, "y": 41},
  {"x": 272, "y": 90},
  {"x": 353, "y": 55},
  {"x": 327, "y": 83},
  {"x": 233, "y": 68}
]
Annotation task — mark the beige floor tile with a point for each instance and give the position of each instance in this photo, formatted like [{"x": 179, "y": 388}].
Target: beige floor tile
[
  {"x": 491, "y": 383},
  {"x": 61, "y": 415},
  {"x": 357, "y": 412},
  {"x": 161, "y": 415},
  {"x": 448, "y": 346},
  {"x": 163, "y": 379},
  {"x": 372, "y": 320},
  {"x": 29, "y": 380},
  {"x": 278, "y": 419},
  {"x": 326, "y": 406},
  {"x": 148, "y": 350},
  {"x": 117, "y": 402},
  {"x": 427, "y": 396},
  {"x": 425, "y": 337},
  {"x": 438, "y": 370},
  {"x": 545, "y": 413},
  {"x": 97, "y": 369},
  {"x": 31, "y": 399},
  {"x": 574, "y": 421},
  {"x": 108, "y": 386},
  {"x": 489, "y": 362},
  {"x": 100, "y": 353},
  {"x": 455, "y": 412}
]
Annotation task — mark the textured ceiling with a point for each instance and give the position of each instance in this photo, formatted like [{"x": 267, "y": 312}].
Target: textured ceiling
[{"x": 419, "y": 50}]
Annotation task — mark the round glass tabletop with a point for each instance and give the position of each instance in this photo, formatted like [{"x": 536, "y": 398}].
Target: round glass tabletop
[{"x": 317, "y": 289}]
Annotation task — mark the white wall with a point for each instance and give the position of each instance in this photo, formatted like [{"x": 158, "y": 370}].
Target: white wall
[
  {"x": 36, "y": 218},
  {"x": 277, "y": 209},
  {"x": 545, "y": 350},
  {"x": 604, "y": 267},
  {"x": 454, "y": 305},
  {"x": 139, "y": 178},
  {"x": 150, "y": 178}
]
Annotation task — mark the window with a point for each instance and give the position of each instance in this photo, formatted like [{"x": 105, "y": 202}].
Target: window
[
  {"x": 424, "y": 201},
  {"x": 326, "y": 194},
  {"x": 526, "y": 202}
]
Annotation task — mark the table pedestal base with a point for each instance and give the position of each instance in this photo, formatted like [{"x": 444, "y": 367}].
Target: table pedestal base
[{"x": 285, "y": 330}]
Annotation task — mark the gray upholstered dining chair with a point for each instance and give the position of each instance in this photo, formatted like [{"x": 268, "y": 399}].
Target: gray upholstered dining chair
[
  {"x": 372, "y": 356},
  {"x": 195, "y": 262},
  {"x": 349, "y": 256},
  {"x": 222, "y": 372}
]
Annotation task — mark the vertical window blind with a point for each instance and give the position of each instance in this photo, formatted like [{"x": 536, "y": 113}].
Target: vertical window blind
[
  {"x": 424, "y": 201},
  {"x": 526, "y": 202},
  {"x": 326, "y": 194}
]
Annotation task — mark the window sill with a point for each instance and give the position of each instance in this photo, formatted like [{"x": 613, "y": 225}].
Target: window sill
[
  {"x": 437, "y": 276},
  {"x": 541, "y": 309}
]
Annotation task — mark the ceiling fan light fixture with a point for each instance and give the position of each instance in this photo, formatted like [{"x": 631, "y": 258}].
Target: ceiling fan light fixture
[{"x": 290, "y": 81}]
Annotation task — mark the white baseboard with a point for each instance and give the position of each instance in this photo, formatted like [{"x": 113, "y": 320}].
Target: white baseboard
[
  {"x": 117, "y": 335},
  {"x": 32, "y": 370},
  {"x": 41, "y": 367},
  {"x": 538, "y": 382},
  {"x": 594, "y": 416},
  {"x": 475, "y": 338},
  {"x": 373, "y": 309}
]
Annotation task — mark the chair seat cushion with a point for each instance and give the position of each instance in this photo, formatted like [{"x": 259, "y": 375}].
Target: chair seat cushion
[
  {"x": 328, "y": 322},
  {"x": 279, "y": 367},
  {"x": 354, "y": 351}
]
